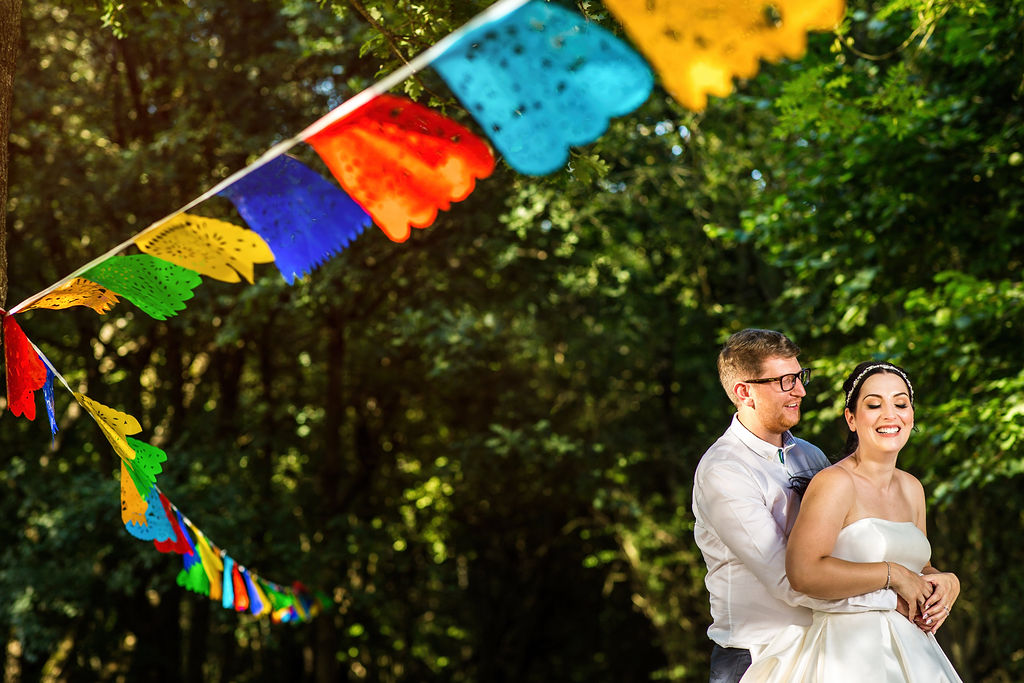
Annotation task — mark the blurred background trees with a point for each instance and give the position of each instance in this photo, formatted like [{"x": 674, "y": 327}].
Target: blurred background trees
[{"x": 481, "y": 442}]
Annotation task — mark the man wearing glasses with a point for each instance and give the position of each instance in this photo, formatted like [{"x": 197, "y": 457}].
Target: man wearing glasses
[{"x": 746, "y": 493}]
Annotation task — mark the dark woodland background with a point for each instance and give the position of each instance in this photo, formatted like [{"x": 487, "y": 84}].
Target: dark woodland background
[{"x": 481, "y": 442}]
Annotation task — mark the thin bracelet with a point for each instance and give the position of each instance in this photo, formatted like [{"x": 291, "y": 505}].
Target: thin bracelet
[{"x": 888, "y": 575}]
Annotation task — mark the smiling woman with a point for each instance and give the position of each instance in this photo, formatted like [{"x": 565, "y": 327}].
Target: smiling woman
[{"x": 861, "y": 528}]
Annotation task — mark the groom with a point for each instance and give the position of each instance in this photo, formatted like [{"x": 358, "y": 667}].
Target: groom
[{"x": 745, "y": 503}]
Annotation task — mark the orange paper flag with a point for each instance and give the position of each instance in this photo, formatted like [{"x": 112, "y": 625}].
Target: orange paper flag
[
  {"x": 78, "y": 292},
  {"x": 698, "y": 46},
  {"x": 402, "y": 162},
  {"x": 133, "y": 507}
]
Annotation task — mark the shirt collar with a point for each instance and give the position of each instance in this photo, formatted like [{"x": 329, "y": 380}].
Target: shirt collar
[{"x": 759, "y": 446}]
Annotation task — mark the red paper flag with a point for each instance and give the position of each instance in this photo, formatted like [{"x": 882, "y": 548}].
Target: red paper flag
[
  {"x": 25, "y": 371},
  {"x": 178, "y": 544},
  {"x": 241, "y": 593},
  {"x": 402, "y": 162}
]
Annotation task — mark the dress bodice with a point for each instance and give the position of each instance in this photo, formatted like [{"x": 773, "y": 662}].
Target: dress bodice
[
  {"x": 875, "y": 540},
  {"x": 877, "y": 645}
]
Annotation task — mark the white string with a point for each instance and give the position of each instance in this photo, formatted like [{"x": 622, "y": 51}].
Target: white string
[
  {"x": 418, "y": 63},
  {"x": 48, "y": 364}
]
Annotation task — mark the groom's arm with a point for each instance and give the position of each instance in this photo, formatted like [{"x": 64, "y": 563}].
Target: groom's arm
[{"x": 732, "y": 503}]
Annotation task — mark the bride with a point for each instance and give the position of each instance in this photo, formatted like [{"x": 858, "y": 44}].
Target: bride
[{"x": 861, "y": 527}]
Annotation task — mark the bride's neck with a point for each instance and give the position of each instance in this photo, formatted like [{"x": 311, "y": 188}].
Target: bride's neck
[{"x": 877, "y": 467}]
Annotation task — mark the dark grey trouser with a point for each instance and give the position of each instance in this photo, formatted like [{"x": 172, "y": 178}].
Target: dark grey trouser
[{"x": 728, "y": 664}]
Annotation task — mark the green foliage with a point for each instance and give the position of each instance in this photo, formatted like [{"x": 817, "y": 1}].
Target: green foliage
[{"x": 480, "y": 443}]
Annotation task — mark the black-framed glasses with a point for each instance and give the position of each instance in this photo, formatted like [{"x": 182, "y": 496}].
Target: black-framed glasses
[{"x": 786, "y": 382}]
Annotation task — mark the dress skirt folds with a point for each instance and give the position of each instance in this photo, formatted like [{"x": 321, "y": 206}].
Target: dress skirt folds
[{"x": 876, "y": 646}]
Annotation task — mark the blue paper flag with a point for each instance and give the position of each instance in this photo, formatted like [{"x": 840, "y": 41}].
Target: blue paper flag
[
  {"x": 542, "y": 79},
  {"x": 255, "y": 604},
  {"x": 158, "y": 526},
  {"x": 227, "y": 600},
  {"x": 51, "y": 411},
  {"x": 191, "y": 558},
  {"x": 303, "y": 217}
]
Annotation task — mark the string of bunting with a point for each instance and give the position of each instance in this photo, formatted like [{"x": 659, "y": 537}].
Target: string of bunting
[{"x": 537, "y": 78}]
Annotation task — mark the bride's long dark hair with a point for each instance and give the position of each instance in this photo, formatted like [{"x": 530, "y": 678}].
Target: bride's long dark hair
[{"x": 851, "y": 390}]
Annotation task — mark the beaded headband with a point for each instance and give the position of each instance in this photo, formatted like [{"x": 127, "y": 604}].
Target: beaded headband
[{"x": 879, "y": 366}]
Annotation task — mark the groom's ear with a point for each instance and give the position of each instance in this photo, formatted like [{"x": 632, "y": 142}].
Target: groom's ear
[{"x": 742, "y": 390}]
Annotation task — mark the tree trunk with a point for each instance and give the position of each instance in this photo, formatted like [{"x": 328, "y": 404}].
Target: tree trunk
[{"x": 10, "y": 35}]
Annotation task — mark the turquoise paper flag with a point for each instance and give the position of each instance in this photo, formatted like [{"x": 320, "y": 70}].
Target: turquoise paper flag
[
  {"x": 542, "y": 79},
  {"x": 228, "y": 595},
  {"x": 158, "y": 527}
]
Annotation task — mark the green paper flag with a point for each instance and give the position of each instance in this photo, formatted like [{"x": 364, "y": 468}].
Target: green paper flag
[
  {"x": 157, "y": 287},
  {"x": 146, "y": 465},
  {"x": 194, "y": 579}
]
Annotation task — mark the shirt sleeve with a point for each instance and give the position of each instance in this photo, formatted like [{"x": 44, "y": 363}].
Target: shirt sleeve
[{"x": 731, "y": 502}]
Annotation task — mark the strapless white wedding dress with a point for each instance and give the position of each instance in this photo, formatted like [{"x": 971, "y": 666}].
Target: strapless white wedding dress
[{"x": 877, "y": 646}]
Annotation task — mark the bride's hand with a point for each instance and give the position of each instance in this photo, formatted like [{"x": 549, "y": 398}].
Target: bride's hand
[
  {"x": 936, "y": 608},
  {"x": 909, "y": 586},
  {"x": 903, "y": 608}
]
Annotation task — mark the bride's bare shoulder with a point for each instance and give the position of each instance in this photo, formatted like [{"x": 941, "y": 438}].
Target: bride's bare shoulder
[
  {"x": 834, "y": 479},
  {"x": 909, "y": 483}
]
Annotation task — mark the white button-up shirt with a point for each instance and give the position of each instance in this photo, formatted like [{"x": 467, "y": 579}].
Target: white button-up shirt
[{"x": 744, "y": 510}]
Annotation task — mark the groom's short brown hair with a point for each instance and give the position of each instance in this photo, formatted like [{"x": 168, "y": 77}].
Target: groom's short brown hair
[{"x": 744, "y": 355}]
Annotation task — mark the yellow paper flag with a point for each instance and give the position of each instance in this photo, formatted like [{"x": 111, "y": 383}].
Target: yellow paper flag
[
  {"x": 78, "y": 292},
  {"x": 698, "y": 46},
  {"x": 213, "y": 565},
  {"x": 116, "y": 425},
  {"x": 208, "y": 246}
]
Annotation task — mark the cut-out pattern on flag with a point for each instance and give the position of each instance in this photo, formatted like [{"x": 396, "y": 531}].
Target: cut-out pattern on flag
[
  {"x": 159, "y": 288},
  {"x": 78, "y": 292},
  {"x": 146, "y": 465},
  {"x": 154, "y": 524},
  {"x": 26, "y": 372},
  {"x": 542, "y": 79},
  {"x": 210, "y": 247},
  {"x": 133, "y": 505},
  {"x": 115, "y": 426},
  {"x": 302, "y": 216},
  {"x": 402, "y": 162},
  {"x": 698, "y": 46}
]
